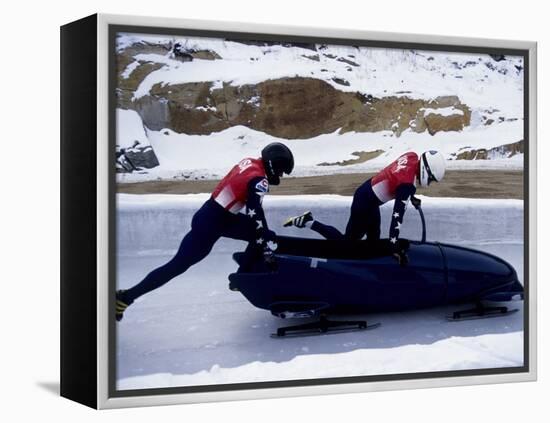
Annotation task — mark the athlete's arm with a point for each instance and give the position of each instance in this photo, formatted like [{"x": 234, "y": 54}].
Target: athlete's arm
[
  {"x": 402, "y": 195},
  {"x": 257, "y": 188}
]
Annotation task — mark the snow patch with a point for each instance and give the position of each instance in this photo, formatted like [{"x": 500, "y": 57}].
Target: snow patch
[
  {"x": 129, "y": 69},
  {"x": 455, "y": 353},
  {"x": 444, "y": 111},
  {"x": 130, "y": 129}
]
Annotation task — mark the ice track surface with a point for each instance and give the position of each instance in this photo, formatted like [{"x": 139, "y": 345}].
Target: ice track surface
[{"x": 195, "y": 331}]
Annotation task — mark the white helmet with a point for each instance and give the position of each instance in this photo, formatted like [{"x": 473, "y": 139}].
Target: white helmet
[{"x": 432, "y": 167}]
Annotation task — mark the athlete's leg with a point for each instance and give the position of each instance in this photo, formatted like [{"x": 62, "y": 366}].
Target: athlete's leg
[
  {"x": 327, "y": 231},
  {"x": 365, "y": 214},
  {"x": 307, "y": 220},
  {"x": 364, "y": 219},
  {"x": 356, "y": 227},
  {"x": 206, "y": 229},
  {"x": 373, "y": 223}
]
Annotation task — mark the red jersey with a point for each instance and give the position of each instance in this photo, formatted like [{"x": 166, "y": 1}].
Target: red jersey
[
  {"x": 232, "y": 191},
  {"x": 401, "y": 171}
]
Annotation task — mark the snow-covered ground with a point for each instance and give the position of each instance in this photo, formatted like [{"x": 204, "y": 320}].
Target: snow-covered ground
[
  {"x": 211, "y": 156},
  {"x": 489, "y": 88},
  {"x": 195, "y": 331}
]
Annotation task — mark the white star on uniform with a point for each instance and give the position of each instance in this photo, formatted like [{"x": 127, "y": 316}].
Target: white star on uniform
[
  {"x": 393, "y": 240},
  {"x": 259, "y": 223},
  {"x": 260, "y": 241},
  {"x": 398, "y": 226},
  {"x": 396, "y": 215},
  {"x": 251, "y": 213}
]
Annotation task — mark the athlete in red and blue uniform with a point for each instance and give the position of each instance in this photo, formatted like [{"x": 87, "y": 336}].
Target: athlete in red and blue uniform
[
  {"x": 220, "y": 216},
  {"x": 395, "y": 182}
]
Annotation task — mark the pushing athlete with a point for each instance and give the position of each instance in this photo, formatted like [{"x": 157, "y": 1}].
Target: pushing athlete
[
  {"x": 220, "y": 216},
  {"x": 396, "y": 182}
]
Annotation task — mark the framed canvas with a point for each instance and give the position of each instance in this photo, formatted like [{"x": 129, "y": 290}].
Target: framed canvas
[{"x": 254, "y": 211}]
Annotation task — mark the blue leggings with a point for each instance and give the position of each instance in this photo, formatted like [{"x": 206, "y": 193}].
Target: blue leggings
[
  {"x": 364, "y": 217},
  {"x": 209, "y": 223}
]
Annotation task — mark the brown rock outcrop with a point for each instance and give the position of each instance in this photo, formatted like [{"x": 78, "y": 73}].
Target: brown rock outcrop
[{"x": 291, "y": 108}]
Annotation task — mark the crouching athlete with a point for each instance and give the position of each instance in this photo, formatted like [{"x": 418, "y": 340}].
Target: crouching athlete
[
  {"x": 220, "y": 216},
  {"x": 396, "y": 182}
]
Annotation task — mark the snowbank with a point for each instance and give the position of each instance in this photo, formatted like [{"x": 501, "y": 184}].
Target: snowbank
[
  {"x": 472, "y": 351},
  {"x": 211, "y": 156}
]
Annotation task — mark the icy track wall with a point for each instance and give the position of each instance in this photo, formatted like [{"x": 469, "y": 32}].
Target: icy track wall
[{"x": 155, "y": 224}]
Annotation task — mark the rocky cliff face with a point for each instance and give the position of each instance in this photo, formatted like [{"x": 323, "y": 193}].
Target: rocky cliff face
[
  {"x": 503, "y": 151},
  {"x": 291, "y": 108}
]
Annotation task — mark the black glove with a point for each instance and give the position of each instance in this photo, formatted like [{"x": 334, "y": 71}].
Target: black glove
[
  {"x": 270, "y": 260},
  {"x": 269, "y": 235},
  {"x": 401, "y": 257},
  {"x": 416, "y": 202}
]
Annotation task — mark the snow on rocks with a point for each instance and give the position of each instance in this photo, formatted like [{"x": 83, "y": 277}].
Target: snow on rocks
[{"x": 491, "y": 89}]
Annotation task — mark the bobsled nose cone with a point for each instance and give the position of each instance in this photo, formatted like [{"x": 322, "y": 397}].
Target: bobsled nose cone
[
  {"x": 478, "y": 275},
  {"x": 509, "y": 292}
]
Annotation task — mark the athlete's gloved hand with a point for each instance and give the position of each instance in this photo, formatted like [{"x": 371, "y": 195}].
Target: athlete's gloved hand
[
  {"x": 416, "y": 202},
  {"x": 270, "y": 240},
  {"x": 401, "y": 257},
  {"x": 270, "y": 260},
  {"x": 269, "y": 235}
]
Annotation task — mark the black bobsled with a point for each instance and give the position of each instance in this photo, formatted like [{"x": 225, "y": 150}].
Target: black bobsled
[{"x": 321, "y": 277}]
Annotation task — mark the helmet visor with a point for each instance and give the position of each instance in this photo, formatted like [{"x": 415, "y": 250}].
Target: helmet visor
[{"x": 431, "y": 177}]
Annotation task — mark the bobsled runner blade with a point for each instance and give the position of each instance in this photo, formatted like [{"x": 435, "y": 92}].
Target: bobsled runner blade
[
  {"x": 323, "y": 327},
  {"x": 476, "y": 313}
]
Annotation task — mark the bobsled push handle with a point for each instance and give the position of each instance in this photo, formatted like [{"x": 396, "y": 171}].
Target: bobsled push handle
[{"x": 417, "y": 204}]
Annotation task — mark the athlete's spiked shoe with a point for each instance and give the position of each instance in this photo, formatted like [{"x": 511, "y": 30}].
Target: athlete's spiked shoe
[
  {"x": 299, "y": 221},
  {"x": 122, "y": 303}
]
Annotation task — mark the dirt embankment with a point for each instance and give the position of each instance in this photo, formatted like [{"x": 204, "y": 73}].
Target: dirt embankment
[{"x": 465, "y": 184}]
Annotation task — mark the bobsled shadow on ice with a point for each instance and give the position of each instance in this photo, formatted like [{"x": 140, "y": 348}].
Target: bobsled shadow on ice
[{"x": 330, "y": 277}]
